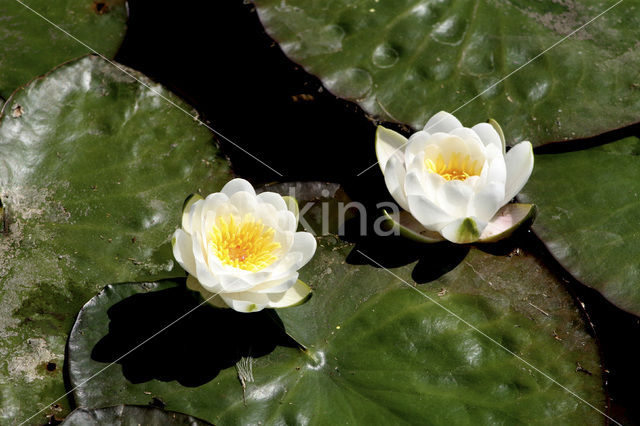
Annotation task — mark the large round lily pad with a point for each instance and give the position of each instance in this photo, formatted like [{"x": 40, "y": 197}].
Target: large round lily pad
[
  {"x": 589, "y": 217},
  {"x": 375, "y": 350},
  {"x": 129, "y": 415},
  {"x": 30, "y": 46},
  {"x": 94, "y": 169},
  {"x": 405, "y": 60}
]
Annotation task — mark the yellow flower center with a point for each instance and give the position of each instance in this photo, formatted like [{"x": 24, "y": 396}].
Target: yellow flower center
[
  {"x": 247, "y": 244},
  {"x": 459, "y": 166}
]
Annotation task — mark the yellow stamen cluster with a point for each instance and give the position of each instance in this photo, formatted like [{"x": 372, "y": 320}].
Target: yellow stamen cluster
[
  {"x": 246, "y": 244},
  {"x": 459, "y": 167}
]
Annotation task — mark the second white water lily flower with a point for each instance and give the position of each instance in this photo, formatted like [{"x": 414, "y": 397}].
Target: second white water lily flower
[
  {"x": 455, "y": 182},
  {"x": 244, "y": 248}
]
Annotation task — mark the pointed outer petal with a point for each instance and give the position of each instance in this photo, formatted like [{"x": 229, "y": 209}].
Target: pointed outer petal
[
  {"x": 394, "y": 178},
  {"x": 507, "y": 221},
  {"x": 296, "y": 295},
  {"x": 237, "y": 185},
  {"x": 519, "y": 161},
  {"x": 410, "y": 228},
  {"x": 292, "y": 206},
  {"x": 272, "y": 198},
  {"x": 418, "y": 142},
  {"x": 212, "y": 298},
  {"x": 245, "y": 301},
  {"x": 498, "y": 129},
  {"x": 487, "y": 200},
  {"x": 427, "y": 213},
  {"x": 455, "y": 197},
  {"x": 488, "y": 135},
  {"x": 276, "y": 286},
  {"x": 442, "y": 122},
  {"x": 388, "y": 144},
  {"x": 186, "y": 210},
  {"x": 305, "y": 244},
  {"x": 246, "y": 202},
  {"x": 183, "y": 251},
  {"x": 463, "y": 230}
]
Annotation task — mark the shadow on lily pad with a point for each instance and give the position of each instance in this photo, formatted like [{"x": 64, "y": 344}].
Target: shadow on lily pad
[
  {"x": 194, "y": 349},
  {"x": 391, "y": 251}
]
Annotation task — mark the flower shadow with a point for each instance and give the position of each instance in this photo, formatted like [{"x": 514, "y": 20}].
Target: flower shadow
[
  {"x": 192, "y": 351},
  {"x": 433, "y": 260}
]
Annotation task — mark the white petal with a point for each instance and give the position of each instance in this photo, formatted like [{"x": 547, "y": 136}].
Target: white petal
[
  {"x": 277, "y": 286},
  {"x": 285, "y": 239},
  {"x": 466, "y": 133},
  {"x": 497, "y": 171},
  {"x": 388, "y": 144},
  {"x": 183, "y": 251},
  {"x": 488, "y": 200},
  {"x": 418, "y": 142},
  {"x": 519, "y": 161},
  {"x": 237, "y": 185},
  {"x": 199, "y": 210},
  {"x": 442, "y": 122},
  {"x": 274, "y": 199},
  {"x": 292, "y": 206},
  {"x": 394, "y": 178},
  {"x": 296, "y": 294},
  {"x": 246, "y": 203},
  {"x": 287, "y": 221},
  {"x": 186, "y": 211},
  {"x": 454, "y": 197},
  {"x": 239, "y": 280},
  {"x": 211, "y": 298},
  {"x": 424, "y": 183},
  {"x": 285, "y": 265},
  {"x": 304, "y": 243},
  {"x": 427, "y": 213},
  {"x": 451, "y": 144},
  {"x": 246, "y": 301},
  {"x": 488, "y": 135},
  {"x": 206, "y": 278},
  {"x": 463, "y": 230}
]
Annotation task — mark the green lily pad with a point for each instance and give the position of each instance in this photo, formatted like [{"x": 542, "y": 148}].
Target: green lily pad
[
  {"x": 406, "y": 60},
  {"x": 132, "y": 415},
  {"x": 93, "y": 173},
  {"x": 375, "y": 350},
  {"x": 588, "y": 216},
  {"x": 30, "y": 46}
]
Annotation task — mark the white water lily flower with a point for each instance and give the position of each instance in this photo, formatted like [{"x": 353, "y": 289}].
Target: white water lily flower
[
  {"x": 456, "y": 182},
  {"x": 244, "y": 248}
]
